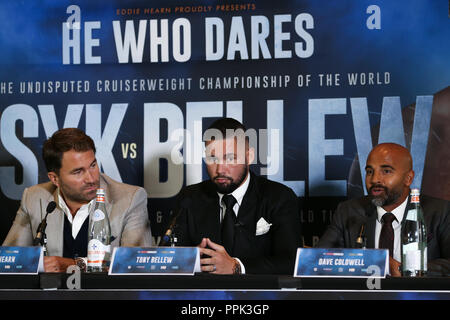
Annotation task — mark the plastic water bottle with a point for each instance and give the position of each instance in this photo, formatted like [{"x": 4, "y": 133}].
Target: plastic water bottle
[
  {"x": 414, "y": 240},
  {"x": 99, "y": 237}
]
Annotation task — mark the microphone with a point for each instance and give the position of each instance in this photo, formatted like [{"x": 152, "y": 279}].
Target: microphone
[
  {"x": 41, "y": 228},
  {"x": 165, "y": 241},
  {"x": 361, "y": 240}
]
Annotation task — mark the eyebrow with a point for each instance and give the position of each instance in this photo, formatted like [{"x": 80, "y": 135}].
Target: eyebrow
[
  {"x": 81, "y": 168},
  {"x": 382, "y": 166},
  {"x": 76, "y": 169}
]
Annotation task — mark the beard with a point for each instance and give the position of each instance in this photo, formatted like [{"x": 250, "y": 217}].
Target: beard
[
  {"x": 79, "y": 196},
  {"x": 227, "y": 188},
  {"x": 388, "y": 197}
]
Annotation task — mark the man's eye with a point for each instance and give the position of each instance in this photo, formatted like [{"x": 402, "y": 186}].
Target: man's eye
[
  {"x": 230, "y": 159},
  {"x": 211, "y": 160}
]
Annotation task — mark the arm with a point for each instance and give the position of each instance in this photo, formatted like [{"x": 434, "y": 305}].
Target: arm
[
  {"x": 441, "y": 266},
  {"x": 136, "y": 230},
  {"x": 21, "y": 233},
  {"x": 334, "y": 234}
]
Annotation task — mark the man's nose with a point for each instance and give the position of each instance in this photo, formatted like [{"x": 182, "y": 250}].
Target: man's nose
[
  {"x": 221, "y": 168},
  {"x": 89, "y": 177},
  {"x": 376, "y": 177}
]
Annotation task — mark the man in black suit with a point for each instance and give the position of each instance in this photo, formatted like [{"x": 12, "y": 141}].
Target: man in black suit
[
  {"x": 389, "y": 175},
  {"x": 242, "y": 223}
]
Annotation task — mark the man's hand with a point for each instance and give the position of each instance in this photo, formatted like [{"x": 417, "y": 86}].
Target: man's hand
[
  {"x": 219, "y": 262},
  {"x": 394, "y": 267},
  {"x": 57, "y": 264}
]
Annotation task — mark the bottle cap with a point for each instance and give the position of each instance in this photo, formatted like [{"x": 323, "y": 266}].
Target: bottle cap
[{"x": 415, "y": 195}]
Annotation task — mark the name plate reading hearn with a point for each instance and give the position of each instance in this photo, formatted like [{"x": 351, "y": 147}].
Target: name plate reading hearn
[
  {"x": 21, "y": 260},
  {"x": 155, "y": 261},
  {"x": 348, "y": 263}
]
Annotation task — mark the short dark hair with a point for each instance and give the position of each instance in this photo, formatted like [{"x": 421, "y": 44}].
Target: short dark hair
[
  {"x": 227, "y": 127},
  {"x": 62, "y": 141},
  {"x": 223, "y": 124}
]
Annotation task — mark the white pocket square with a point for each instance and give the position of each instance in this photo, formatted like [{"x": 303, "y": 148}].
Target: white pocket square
[{"x": 262, "y": 227}]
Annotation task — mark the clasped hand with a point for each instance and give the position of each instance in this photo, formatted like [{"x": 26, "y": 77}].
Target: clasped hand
[{"x": 217, "y": 261}]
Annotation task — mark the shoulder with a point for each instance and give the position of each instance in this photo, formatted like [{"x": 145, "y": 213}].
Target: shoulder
[
  {"x": 118, "y": 190},
  {"x": 204, "y": 188},
  {"x": 41, "y": 190},
  {"x": 270, "y": 188},
  {"x": 434, "y": 204},
  {"x": 360, "y": 205}
]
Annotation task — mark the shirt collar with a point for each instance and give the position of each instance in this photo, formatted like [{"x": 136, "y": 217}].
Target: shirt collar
[
  {"x": 63, "y": 206},
  {"x": 397, "y": 212},
  {"x": 239, "y": 193}
]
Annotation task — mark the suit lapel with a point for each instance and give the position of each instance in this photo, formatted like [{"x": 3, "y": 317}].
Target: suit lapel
[
  {"x": 246, "y": 214},
  {"x": 371, "y": 214},
  {"x": 55, "y": 227},
  {"x": 209, "y": 214}
]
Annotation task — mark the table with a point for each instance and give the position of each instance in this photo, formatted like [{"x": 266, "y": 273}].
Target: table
[{"x": 97, "y": 286}]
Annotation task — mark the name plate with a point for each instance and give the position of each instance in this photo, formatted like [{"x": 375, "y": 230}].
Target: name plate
[
  {"x": 346, "y": 263},
  {"x": 21, "y": 260},
  {"x": 155, "y": 261}
]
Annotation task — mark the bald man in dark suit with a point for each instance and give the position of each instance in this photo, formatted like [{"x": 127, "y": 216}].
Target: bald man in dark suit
[{"x": 389, "y": 176}]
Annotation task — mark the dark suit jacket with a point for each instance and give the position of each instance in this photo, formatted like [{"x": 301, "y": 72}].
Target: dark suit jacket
[
  {"x": 271, "y": 253},
  {"x": 352, "y": 214}
]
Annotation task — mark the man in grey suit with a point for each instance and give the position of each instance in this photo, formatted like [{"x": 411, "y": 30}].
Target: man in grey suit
[
  {"x": 69, "y": 156},
  {"x": 389, "y": 175}
]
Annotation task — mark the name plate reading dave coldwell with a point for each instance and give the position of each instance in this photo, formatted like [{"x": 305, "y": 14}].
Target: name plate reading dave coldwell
[
  {"x": 155, "y": 261},
  {"x": 21, "y": 260},
  {"x": 348, "y": 263}
]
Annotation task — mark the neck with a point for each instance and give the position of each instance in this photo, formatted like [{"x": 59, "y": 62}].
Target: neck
[
  {"x": 73, "y": 206},
  {"x": 400, "y": 200}
]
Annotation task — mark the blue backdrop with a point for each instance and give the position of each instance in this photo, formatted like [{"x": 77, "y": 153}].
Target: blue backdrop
[{"x": 326, "y": 79}]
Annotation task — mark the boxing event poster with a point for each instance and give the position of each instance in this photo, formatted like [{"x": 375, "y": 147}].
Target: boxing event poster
[{"x": 316, "y": 83}]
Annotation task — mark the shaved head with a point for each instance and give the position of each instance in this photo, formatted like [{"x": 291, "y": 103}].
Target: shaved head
[
  {"x": 395, "y": 151},
  {"x": 389, "y": 175}
]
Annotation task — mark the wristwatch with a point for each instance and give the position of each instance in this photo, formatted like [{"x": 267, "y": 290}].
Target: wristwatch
[
  {"x": 237, "y": 267},
  {"x": 81, "y": 263}
]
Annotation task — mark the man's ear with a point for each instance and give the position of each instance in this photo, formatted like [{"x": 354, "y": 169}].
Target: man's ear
[
  {"x": 251, "y": 155},
  {"x": 409, "y": 177},
  {"x": 53, "y": 178}
]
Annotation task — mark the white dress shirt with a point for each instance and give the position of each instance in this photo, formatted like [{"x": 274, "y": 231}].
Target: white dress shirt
[
  {"x": 79, "y": 218},
  {"x": 238, "y": 194},
  {"x": 396, "y": 225}
]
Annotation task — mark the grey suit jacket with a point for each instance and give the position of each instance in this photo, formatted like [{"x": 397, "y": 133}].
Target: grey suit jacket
[
  {"x": 126, "y": 206},
  {"x": 352, "y": 214}
]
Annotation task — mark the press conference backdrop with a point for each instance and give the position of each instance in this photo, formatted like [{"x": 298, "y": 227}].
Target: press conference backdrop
[{"x": 317, "y": 83}]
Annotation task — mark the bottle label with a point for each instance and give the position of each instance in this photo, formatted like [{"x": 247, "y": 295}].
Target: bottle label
[
  {"x": 97, "y": 252},
  {"x": 412, "y": 215},
  {"x": 98, "y": 215},
  {"x": 411, "y": 256}
]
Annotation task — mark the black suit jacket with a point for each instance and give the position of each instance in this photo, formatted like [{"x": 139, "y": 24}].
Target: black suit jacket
[
  {"x": 271, "y": 253},
  {"x": 352, "y": 214}
]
